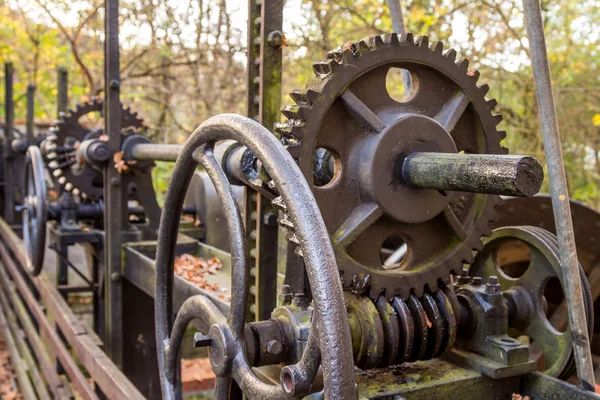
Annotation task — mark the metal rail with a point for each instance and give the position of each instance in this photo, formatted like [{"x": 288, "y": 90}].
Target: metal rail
[
  {"x": 559, "y": 192},
  {"x": 115, "y": 200},
  {"x": 9, "y": 179}
]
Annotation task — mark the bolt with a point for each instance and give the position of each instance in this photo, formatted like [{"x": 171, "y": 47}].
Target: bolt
[
  {"x": 274, "y": 347},
  {"x": 464, "y": 278},
  {"x": 476, "y": 281},
  {"x": 275, "y": 39},
  {"x": 114, "y": 84},
  {"x": 201, "y": 340},
  {"x": 270, "y": 219},
  {"x": 301, "y": 301},
  {"x": 115, "y": 276},
  {"x": 285, "y": 297},
  {"x": 115, "y": 181},
  {"x": 492, "y": 286}
]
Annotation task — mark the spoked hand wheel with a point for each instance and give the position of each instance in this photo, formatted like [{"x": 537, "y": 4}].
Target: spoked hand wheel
[
  {"x": 526, "y": 288},
  {"x": 34, "y": 211},
  {"x": 332, "y": 344}
]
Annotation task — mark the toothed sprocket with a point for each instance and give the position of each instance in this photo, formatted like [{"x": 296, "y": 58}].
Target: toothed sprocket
[
  {"x": 348, "y": 135},
  {"x": 59, "y": 148}
]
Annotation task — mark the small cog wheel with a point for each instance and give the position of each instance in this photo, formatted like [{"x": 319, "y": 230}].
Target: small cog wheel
[{"x": 72, "y": 128}]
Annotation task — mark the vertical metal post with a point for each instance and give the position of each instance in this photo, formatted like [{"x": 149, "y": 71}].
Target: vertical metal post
[
  {"x": 30, "y": 112},
  {"x": 9, "y": 183},
  {"x": 400, "y": 28},
  {"x": 114, "y": 201},
  {"x": 559, "y": 192},
  {"x": 62, "y": 99},
  {"x": 265, "y": 20}
]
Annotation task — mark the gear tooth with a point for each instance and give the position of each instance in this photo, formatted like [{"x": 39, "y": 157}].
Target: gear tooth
[
  {"x": 300, "y": 98},
  {"x": 432, "y": 286},
  {"x": 311, "y": 95},
  {"x": 492, "y": 104},
  {"x": 475, "y": 75},
  {"x": 466, "y": 257},
  {"x": 451, "y": 54},
  {"x": 498, "y": 118},
  {"x": 322, "y": 68},
  {"x": 62, "y": 180},
  {"x": 502, "y": 135},
  {"x": 283, "y": 128},
  {"x": 292, "y": 237},
  {"x": 71, "y": 111},
  {"x": 364, "y": 45},
  {"x": 279, "y": 203},
  {"x": 484, "y": 89},
  {"x": 379, "y": 41},
  {"x": 408, "y": 38},
  {"x": 478, "y": 244},
  {"x": 422, "y": 41},
  {"x": 504, "y": 150},
  {"x": 290, "y": 112},
  {"x": 392, "y": 39},
  {"x": 419, "y": 291},
  {"x": 336, "y": 56},
  {"x": 298, "y": 251},
  {"x": 61, "y": 114},
  {"x": 438, "y": 48},
  {"x": 464, "y": 64},
  {"x": 286, "y": 222}
]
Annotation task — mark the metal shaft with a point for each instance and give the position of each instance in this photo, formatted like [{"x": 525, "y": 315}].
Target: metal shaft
[
  {"x": 559, "y": 192},
  {"x": 30, "y": 112},
  {"x": 475, "y": 173},
  {"x": 400, "y": 28},
  {"x": 156, "y": 152},
  {"x": 63, "y": 90}
]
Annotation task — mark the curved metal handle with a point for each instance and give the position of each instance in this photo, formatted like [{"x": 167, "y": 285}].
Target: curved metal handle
[{"x": 334, "y": 333}]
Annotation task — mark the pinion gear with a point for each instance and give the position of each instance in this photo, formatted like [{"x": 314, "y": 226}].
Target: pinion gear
[
  {"x": 347, "y": 135},
  {"x": 59, "y": 149}
]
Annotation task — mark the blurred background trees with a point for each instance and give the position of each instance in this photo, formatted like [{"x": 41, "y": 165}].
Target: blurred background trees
[{"x": 183, "y": 61}]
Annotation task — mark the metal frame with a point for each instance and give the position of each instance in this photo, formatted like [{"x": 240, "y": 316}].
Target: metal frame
[{"x": 264, "y": 83}]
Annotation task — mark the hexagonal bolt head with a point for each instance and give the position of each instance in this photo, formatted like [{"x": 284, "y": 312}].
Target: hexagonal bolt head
[
  {"x": 301, "y": 301},
  {"x": 476, "y": 281},
  {"x": 285, "y": 297},
  {"x": 492, "y": 286}
]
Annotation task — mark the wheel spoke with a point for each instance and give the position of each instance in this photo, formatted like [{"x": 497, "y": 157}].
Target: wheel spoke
[
  {"x": 362, "y": 217},
  {"x": 361, "y": 111},
  {"x": 454, "y": 224},
  {"x": 222, "y": 387},
  {"x": 452, "y": 110}
]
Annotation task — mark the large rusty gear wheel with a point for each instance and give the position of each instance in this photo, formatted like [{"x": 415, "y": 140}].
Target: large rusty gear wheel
[
  {"x": 346, "y": 120},
  {"x": 59, "y": 148}
]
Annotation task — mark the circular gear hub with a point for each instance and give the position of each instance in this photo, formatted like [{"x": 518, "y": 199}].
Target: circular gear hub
[
  {"x": 71, "y": 129},
  {"x": 349, "y": 137}
]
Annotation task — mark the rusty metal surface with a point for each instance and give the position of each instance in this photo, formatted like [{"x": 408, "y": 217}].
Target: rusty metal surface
[
  {"x": 348, "y": 111},
  {"x": 559, "y": 190},
  {"x": 328, "y": 302},
  {"x": 537, "y": 211}
]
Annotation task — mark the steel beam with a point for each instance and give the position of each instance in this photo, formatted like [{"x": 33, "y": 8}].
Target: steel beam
[
  {"x": 62, "y": 99},
  {"x": 115, "y": 198},
  {"x": 30, "y": 113},
  {"x": 265, "y": 43},
  {"x": 9, "y": 178},
  {"x": 559, "y": 192}
]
